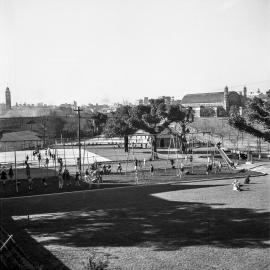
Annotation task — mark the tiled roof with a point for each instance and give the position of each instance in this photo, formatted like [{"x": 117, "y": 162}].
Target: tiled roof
[
  {"x": 203, "y": 98},
  {"x": 25, "y": 135}
]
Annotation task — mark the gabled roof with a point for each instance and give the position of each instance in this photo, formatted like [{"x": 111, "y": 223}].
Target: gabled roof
[
  {"x": 25, "y": 135},
  {"x": 203, "y": 98},
  {"x": 141, "y": 132}
]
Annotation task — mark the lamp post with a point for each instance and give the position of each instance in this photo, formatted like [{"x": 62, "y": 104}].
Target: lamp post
[{"x": 79, "y": 137}]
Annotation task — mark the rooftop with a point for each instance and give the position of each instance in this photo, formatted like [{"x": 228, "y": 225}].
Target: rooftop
[{"x": 203, "y": 98}]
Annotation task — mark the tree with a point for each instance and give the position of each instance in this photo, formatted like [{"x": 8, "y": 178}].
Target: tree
[
  {"x": 118, "y": 124},
  {"x": 221, "y": 112},
  {"x": 207, "y": 112},
  {"x": 256, "y": 120},
  {"x": 157, "y": 116},
  {"x": 98, "y": 121},
  {"x": 152, "y": 118}
]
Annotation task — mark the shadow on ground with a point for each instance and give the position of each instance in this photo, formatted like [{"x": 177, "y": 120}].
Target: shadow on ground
[{"x": 134, "y": 217}]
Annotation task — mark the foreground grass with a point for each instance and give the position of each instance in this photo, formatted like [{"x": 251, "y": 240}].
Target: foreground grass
[{"x": 188, "y": 225}]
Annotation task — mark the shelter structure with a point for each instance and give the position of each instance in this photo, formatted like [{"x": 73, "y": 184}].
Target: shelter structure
[{"x": 20, "y": 140}]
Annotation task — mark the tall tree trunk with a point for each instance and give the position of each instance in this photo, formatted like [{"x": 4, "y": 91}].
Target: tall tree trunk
[
  {"x": 126, "y": 143},
  {"x": 154, "y": 154}
]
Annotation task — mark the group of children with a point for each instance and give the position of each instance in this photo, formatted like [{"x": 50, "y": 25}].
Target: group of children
[
  {"x": 237, "y": 186},
  {"x": 5, "y": 174}
]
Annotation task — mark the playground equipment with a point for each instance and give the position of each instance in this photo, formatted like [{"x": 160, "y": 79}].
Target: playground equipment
[{"x": 227, "y": 160}]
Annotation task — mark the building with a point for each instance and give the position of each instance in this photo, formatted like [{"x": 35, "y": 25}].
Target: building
[
  {"x": 215, "y": 100},
  {"x": 167, "y": 99},
  {"x": 20, "y": 140},
  {"x": 145, "y": 101},
  {"x": 8, "y": 99}
]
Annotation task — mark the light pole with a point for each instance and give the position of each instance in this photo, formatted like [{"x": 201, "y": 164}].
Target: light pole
[{"x": 79, "y": 137}]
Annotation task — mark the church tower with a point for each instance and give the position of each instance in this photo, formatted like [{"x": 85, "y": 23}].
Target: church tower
[
  {"x": 245, "y": 92},
  {"x": 8, "y": 99},
  {"x": 226, "y": 99}
]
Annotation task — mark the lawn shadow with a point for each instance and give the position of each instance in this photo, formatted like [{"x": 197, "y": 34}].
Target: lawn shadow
[
  {"x": 135, "y": 217},
  {"x": 39, "y": 256}
]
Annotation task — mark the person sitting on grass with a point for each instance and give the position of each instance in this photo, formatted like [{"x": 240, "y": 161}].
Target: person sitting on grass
[
  {"x": 87, "y": 176},
  {"x": 44, "y": 183},
  {"x": 247, "y": 180},
  {"x": 236, "y": 185}
]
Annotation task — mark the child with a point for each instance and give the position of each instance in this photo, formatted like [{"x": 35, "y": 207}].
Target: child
[
  {"x": 10, "y": 173},
  {"x": 44, "y": 183},
  {"x": 27, "y": 170},
  {"x": 182, "y": 168},
  {"x": 4, "y": 177},
  {"x": 30, "y": 183},
  {"x": 87, "y": 178},
  {"x": 77, "y": 179},
  {"x": 60, "y": 181},
  {"x": 135, "y": 164},
  {"x": 219, "y": 166},
  {"x": 119, "y": 168},
  {"x": 172, "y": 163},
  {"x": 247, "y": 180},
  {"x": 151, "y": 169},
  {"x": 136, "y": 177},
  {"x": 236, "y": 185}
]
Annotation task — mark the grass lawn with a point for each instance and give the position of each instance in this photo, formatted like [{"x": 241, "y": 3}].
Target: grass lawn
[
  {"x": 200, "y": 224},
  {"x": 161, "y": 175}
]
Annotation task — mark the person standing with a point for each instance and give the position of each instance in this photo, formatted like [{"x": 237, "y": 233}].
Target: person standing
[
  {"x": 247, "y": 179},
  {"x": 10, "y": 173},
  {"x": 60, "y": 181},
  {"x": 30, "y": 183},
  {"x": 151, "y": 169},
  {"x": 4, "y": 177},
  {"x": 119, "y": 168},
  {"x": 77, "y": 179},
  {"x": 135, "y": 164},
  {"x": 181, "y": 169},
  {"x": 27, "y": 170},
  {"x": 136, "y": 177}
]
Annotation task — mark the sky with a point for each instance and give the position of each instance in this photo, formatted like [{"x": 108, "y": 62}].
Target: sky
[{"x": 106, "y": 51}]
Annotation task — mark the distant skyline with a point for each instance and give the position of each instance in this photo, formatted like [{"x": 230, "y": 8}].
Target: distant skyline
[{"x": 104, "y": 51}]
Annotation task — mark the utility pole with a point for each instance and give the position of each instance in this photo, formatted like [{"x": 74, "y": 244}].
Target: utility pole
[{"x": 79, "y": 137}]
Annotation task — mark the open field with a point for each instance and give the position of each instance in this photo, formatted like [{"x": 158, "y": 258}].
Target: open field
[{"x": 190, "y": 225}]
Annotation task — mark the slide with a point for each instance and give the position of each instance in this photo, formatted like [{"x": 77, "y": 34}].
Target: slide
[{"x": 226, "y": 158}]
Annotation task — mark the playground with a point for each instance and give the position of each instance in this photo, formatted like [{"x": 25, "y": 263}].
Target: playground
[
  {"x": 195, "y": 224},
  {"x": 182, "y": 214},
  {"x": 167, "y": 168}
]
